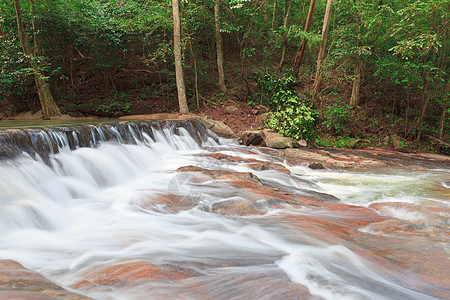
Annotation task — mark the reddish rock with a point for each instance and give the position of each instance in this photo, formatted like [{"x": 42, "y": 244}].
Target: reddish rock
[
  {"x": 254, "y": 164},
  {"x": 131, "y": 274},
  {"x": 17, "y": 282}
]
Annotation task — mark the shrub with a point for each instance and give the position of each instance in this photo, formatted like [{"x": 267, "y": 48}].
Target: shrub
[
  {"x": 291, "y": 116},
  {"x": 337, "y": 118}
]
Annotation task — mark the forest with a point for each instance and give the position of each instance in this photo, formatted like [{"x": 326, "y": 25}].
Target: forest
[{"x": 343, "y": 73}]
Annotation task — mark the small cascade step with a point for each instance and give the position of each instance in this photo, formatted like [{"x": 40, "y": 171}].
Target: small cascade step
[{"x": 43, "y": 142}]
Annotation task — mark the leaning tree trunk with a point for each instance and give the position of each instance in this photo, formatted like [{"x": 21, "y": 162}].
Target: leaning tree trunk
[
  {"x": 219, "y": 47},
  {"x": 301, "y": 49},
  {"x": 323, "y": 46},
  {"x": 49, "y": 107},
  {"x": 181, "y": 88},
  {"x": 354, "y": 99}
]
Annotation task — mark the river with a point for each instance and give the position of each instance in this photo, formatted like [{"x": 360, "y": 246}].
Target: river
[{"x": 169, "y": 210}]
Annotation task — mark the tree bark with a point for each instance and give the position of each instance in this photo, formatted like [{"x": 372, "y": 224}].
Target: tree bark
[
  {"x": 354, "y": 99},
  {"x": 194, "y": 59},
  {"x": 274, "y": 14},
  {"x": 444, "y": 111},
  {"x": 181, "y": 88},
  {"x": 35, "y": 28},
  {"x": 286, "y": 11},
  {"x": 219, "y": 47},
  {"x": 323, "y": 46},
  {"x": 301, "y": 49},
  {"x": 425, "y": 100},
  {"x": 49, "y": 107}
]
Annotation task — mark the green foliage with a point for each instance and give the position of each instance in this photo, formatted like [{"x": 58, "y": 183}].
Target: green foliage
[
  {"x": 113, "y": 104},
  {"x": 337, "y": 117},
  {"x": 291, "y": 116},
  {"x": 338, "y": 142},
  {"x": 269, "y": 86},
  {"x": 294, "y": 121}
]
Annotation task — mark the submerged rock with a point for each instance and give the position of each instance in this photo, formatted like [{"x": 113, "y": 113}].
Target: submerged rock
[{"x": 18, "y": 282}]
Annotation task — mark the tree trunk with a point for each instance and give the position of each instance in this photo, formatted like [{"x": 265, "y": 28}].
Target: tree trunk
[
  {"x": 301, "y": 49},
  {"x": 354, "y": 99},
  {"x": 425, "y": 101},
  {"x": 274, "y": 14},
  {"x": 444, "y": 111},
  {"x": 323, "y": 46},
  {"x": 181, "y": 88},
  {"x": 287, "y": 9},
  {"x": 219, "y": 47},
  {"x": 442, "y": 121},
  {"x": 49, "y": 107},
  {"x": 35, "y": 28},
  {"x": 194, "y": 59}
]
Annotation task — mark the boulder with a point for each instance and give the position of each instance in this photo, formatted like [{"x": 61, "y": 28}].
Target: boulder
[
  {"x": 251, "y": 137},
  {"x": 273, "y": 140},
  {"x": 218, "y": 127},
  {"x": 316, "y": 166},
  {"x": 262, "y": 118}
]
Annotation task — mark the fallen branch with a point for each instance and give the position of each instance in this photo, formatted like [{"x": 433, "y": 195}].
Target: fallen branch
[
  {"x": 142, "y": 70},
  {"x": 438, "y": 140}
]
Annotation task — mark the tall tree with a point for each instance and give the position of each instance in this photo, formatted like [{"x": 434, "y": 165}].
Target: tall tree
[
  {"x": 181, "y": 88},
  {"x": 49, "y": 107},
  {"x": 354, "y": 98},
  {"x": 323, "y": 46},
  {"x": 301, "y": 49},
  {"x": 286, "y": 10},
  {"x": 219, "y": 47}
]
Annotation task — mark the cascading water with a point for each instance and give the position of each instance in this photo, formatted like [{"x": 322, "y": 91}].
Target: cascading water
[{"x": 163, "y": 210}]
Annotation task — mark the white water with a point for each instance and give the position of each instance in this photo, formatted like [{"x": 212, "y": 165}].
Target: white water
[{"x": 93, "y": 207}]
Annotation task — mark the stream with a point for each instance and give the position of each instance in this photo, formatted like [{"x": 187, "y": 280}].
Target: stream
[{"x": 169, "y": 210}]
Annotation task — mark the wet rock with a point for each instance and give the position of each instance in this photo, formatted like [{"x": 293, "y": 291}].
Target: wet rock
[
  {"x": 17, "y": 282},
  {"x": 264, "y": 166},
  {"x": 167, "y": 203},
  {"x": 331, "y": 160},
  {"x": 423, "y": 220},
  {"x": 241, "y": 207},
  {"x": 221, "y": 174},
  {"x": 316, "y": 166},
  {"x": 131, "y": 274},
  {"x": 218, "y": 127},
  {"x": 273, "y": 140},
  {"x": 251, "y": 137},
  {"x": 254, "y": 164}
]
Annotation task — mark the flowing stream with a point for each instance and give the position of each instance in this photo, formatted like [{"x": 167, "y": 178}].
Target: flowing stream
[{"x": 77, "y": 201}]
